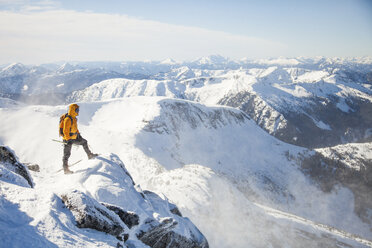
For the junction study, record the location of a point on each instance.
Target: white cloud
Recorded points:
(51, 35)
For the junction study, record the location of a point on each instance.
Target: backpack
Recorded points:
(61, 123)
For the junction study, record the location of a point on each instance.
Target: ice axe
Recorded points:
(65, 143)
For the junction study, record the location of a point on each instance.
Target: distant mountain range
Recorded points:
(311, 102)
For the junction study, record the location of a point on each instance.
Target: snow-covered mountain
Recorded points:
(306, 107)
(48, 84)
(14, 69)
(327, 105)
(206, 136)
(239, 185)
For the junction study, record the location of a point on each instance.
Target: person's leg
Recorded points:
(66, 155)
(81, 141)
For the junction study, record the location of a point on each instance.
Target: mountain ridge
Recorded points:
(166, 145)
(289, 103)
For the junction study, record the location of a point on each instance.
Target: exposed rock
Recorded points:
(89, 213)
(129, 218)
(152, 232)
(9, 161)
(33, 167)
(161, 235)
(175, 210)
(143, 212)
(300, 126)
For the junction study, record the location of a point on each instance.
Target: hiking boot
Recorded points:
(92, 155)
(67, 171)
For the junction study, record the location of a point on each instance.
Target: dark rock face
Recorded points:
(298, 126)
(89, 213)
(160, 235)
(10, 162)
(114, 220)
(129, 218)
(175, 210)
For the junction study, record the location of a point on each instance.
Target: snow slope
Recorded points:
(232, 179)
(46, 222)
(40, 213)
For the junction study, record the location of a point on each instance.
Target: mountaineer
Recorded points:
(69, 131)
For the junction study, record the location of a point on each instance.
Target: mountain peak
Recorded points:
(67, 67)
(14, 68)
(212, 59)
(169, 61)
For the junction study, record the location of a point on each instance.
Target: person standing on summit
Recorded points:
(70, 133)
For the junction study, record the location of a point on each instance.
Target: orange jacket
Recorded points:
(70, 130)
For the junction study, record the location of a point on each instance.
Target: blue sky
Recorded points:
(183, 30)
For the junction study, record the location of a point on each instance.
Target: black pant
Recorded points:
(67, 148)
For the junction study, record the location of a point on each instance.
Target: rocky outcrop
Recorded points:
(10, 167)
(148, 218)
(161, 235)
(263, 114)
(89, 213)
(130, 219)
(114, 220)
